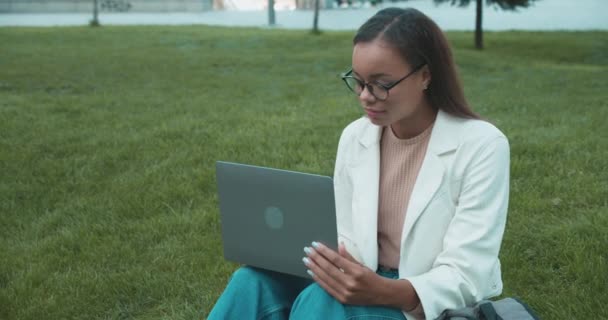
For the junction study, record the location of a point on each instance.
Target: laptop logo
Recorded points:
(273, 217)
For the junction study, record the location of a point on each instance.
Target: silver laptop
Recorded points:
(269, 215)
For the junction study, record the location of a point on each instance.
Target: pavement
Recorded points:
(544, 15)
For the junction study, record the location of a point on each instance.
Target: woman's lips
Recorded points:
(373, 113)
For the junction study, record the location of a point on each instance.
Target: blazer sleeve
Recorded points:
(467, 269)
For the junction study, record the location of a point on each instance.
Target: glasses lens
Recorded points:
(353, 84)
(378, 91)
(375, 89)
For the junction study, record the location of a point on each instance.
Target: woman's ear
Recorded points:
(426, 77)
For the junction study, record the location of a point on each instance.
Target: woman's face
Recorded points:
(377, 61)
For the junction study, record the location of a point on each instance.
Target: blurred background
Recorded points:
(299, 14)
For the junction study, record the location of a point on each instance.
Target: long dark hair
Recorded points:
(420, 41)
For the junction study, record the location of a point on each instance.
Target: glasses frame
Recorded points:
(368, 85)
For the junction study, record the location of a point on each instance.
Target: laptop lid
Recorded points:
(269, 215)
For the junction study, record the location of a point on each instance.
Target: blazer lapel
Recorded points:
(427, 183)
(432, 171)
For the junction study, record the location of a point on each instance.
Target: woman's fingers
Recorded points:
(334, 258)
(322, 266)
(332, 284)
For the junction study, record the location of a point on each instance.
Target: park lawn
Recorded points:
(109, 136)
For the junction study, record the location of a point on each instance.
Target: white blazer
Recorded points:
(456, 215)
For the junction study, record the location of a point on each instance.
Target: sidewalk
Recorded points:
(544, 15)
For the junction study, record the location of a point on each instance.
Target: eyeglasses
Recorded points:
(378, 90)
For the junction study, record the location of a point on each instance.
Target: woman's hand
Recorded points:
(342, 276)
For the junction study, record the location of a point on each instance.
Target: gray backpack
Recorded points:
(504, 309)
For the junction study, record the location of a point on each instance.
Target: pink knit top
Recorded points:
(400, 162)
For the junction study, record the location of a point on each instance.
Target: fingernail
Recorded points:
(306, 260)
(310, 273)
(315, 244)
(307, 250)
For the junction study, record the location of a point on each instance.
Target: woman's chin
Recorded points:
(377, 121)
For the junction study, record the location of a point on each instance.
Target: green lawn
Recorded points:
(109, 137)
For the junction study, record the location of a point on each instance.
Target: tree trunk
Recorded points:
(95, 21)
(315, 20)
(478, 26)
(271, 19)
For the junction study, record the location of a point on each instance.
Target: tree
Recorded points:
(503, 4)
(271, 15)
(95, 21)
(315, 19)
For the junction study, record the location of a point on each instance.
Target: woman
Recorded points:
(421, 188)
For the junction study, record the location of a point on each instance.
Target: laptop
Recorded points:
(269, 215)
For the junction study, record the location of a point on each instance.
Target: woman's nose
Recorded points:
(366, 95)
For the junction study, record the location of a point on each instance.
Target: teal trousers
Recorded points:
(258, 294)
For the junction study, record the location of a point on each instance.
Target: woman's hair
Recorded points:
(420, 41)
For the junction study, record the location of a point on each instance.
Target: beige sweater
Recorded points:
(400, 162)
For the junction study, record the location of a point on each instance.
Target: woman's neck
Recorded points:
(416, 124)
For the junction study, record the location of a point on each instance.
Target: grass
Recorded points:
(108, 138)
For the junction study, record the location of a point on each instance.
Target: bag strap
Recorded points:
(487, 312)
